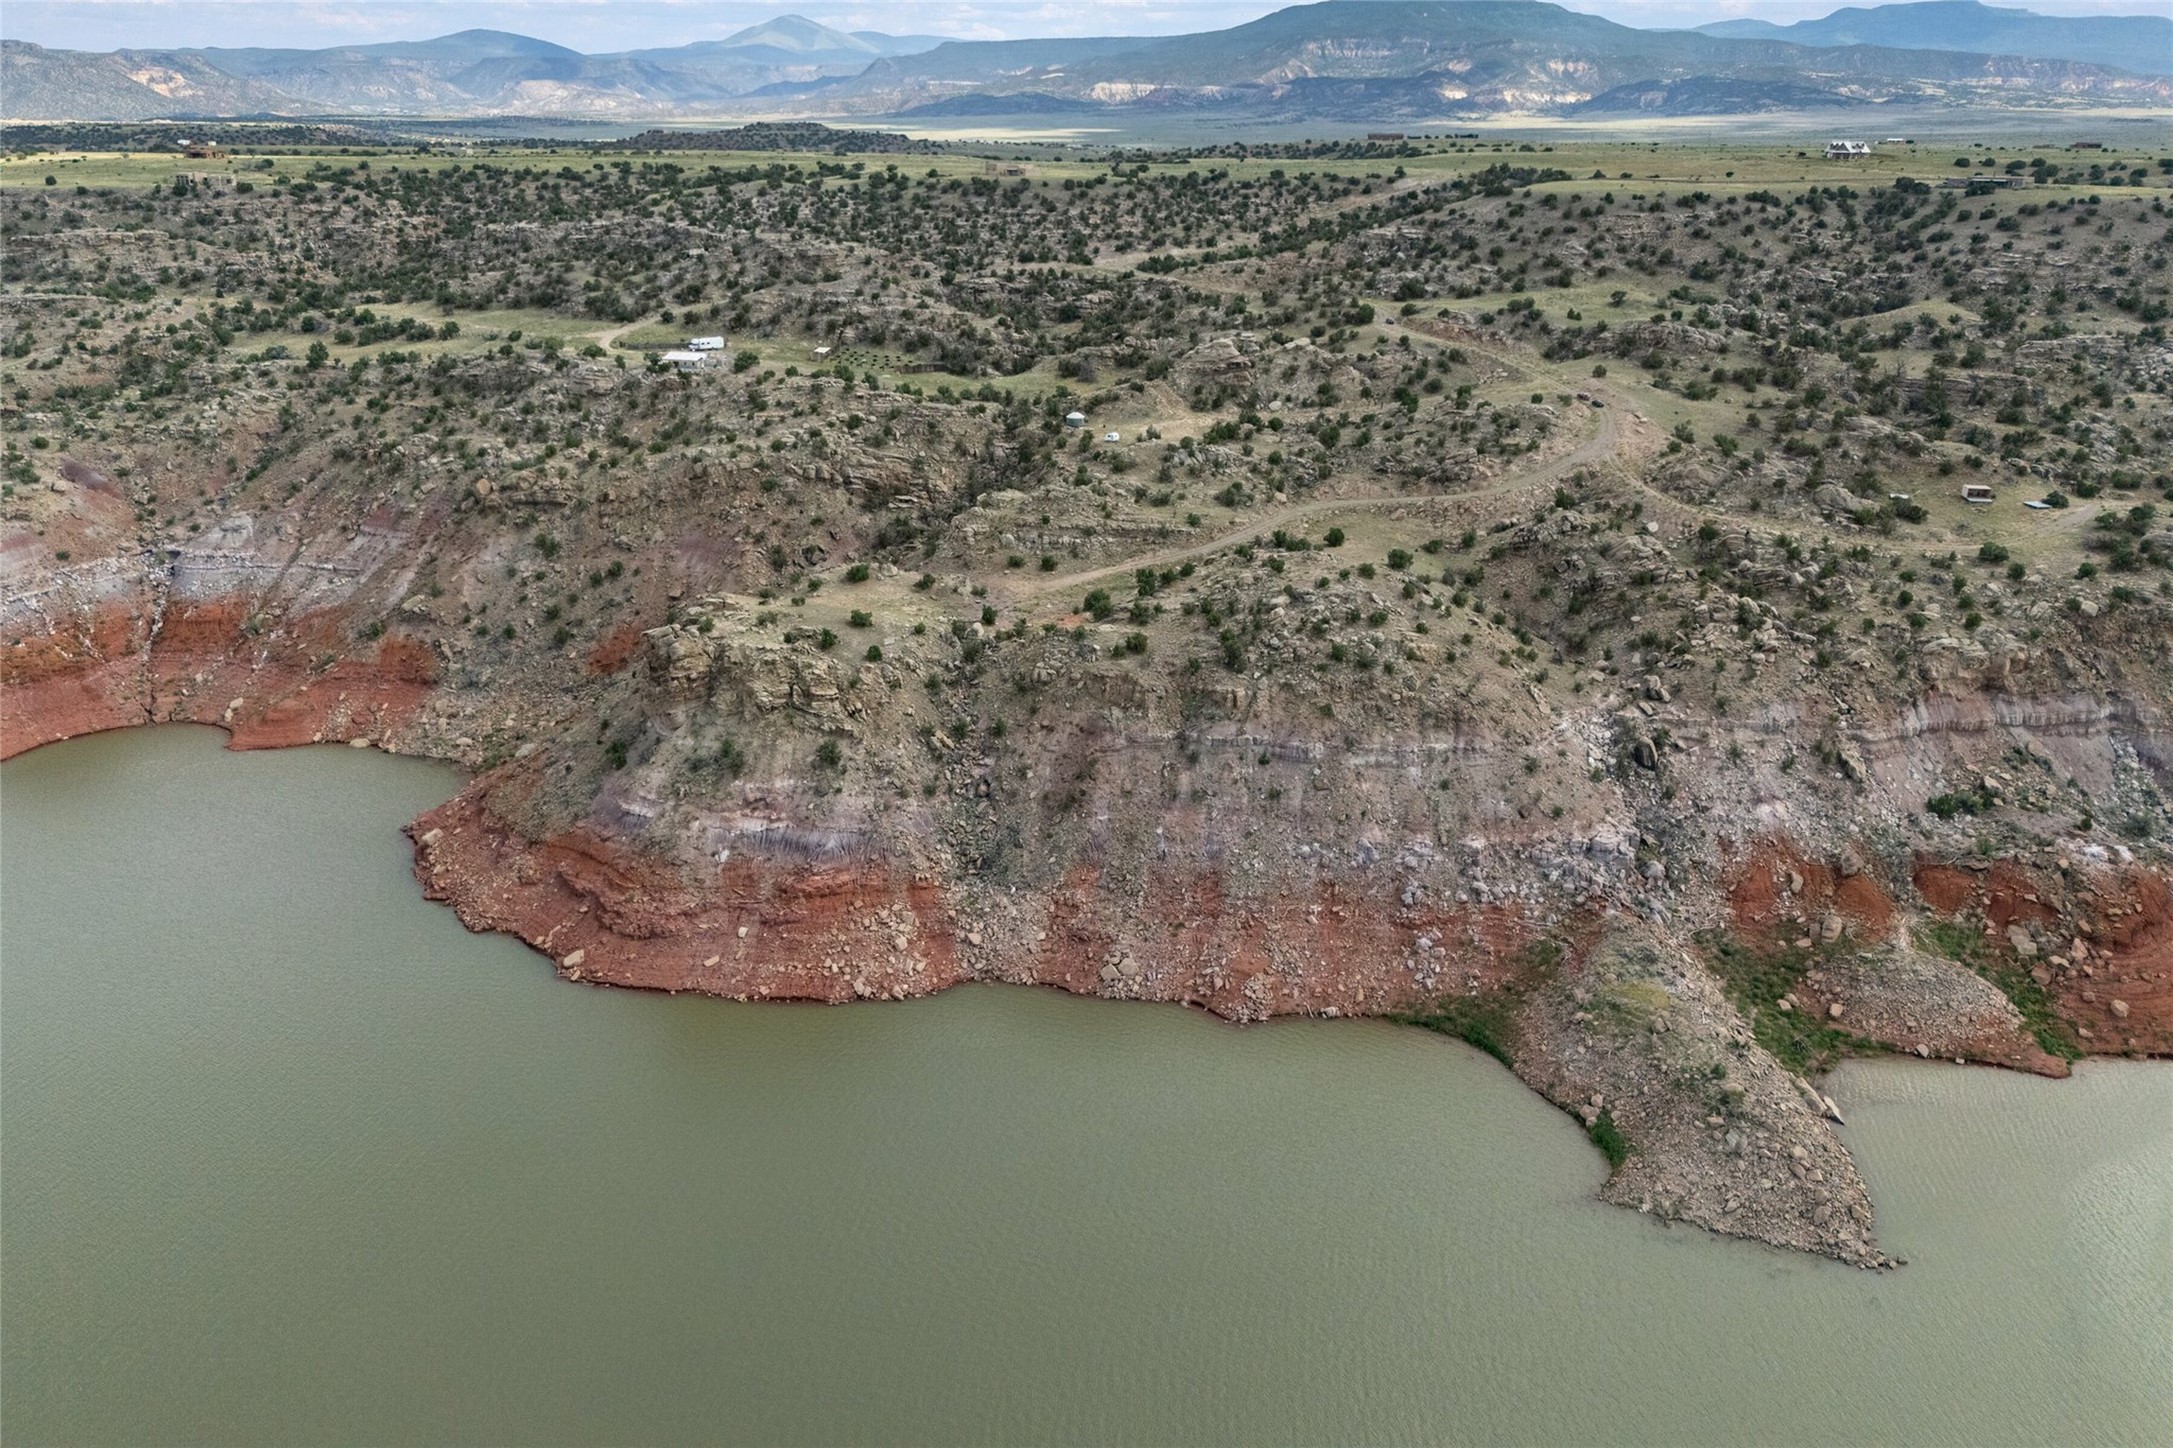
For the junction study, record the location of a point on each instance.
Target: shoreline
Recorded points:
(794, 931)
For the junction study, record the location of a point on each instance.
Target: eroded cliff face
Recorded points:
(253, 629)
(1665, 915)
(1668, 964)
(1666, 951)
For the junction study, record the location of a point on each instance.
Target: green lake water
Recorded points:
(287, 1156)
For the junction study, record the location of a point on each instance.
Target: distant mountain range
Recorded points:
(472, 73)
(2130, 42)
(1413, 60)
(1425, 59)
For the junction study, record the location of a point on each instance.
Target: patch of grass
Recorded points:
(2052, 1031)
(1541, 958)
(1633, 1004)
(1609, 1139)
(1488, 1022)
(1756, 980)
(1950, 939)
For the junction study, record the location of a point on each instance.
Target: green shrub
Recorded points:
(1609, 1139)
(1756, 980)
(1947, 806)
(1966, 947)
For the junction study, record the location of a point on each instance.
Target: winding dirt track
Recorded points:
(1604, 446)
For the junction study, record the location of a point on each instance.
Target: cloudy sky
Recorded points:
(604, 25)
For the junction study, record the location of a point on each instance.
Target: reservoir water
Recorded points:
(289, 1157)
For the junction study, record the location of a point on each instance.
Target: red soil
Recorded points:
(1943, 887)
(615, 650)
(2113, 929)
(1760, 906)
(2132, 963)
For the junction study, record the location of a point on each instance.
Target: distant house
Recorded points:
(1847, 150)
(686, 361)
(1977, 493)
(202, 150)
(705, 344)
(2086, 146)
(1075, 419)
(1384, 135)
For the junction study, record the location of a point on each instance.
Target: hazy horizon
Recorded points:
(615, 25)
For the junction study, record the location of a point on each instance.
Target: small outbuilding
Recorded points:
(686, 361)
(1977, 493)
(1075, 419)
